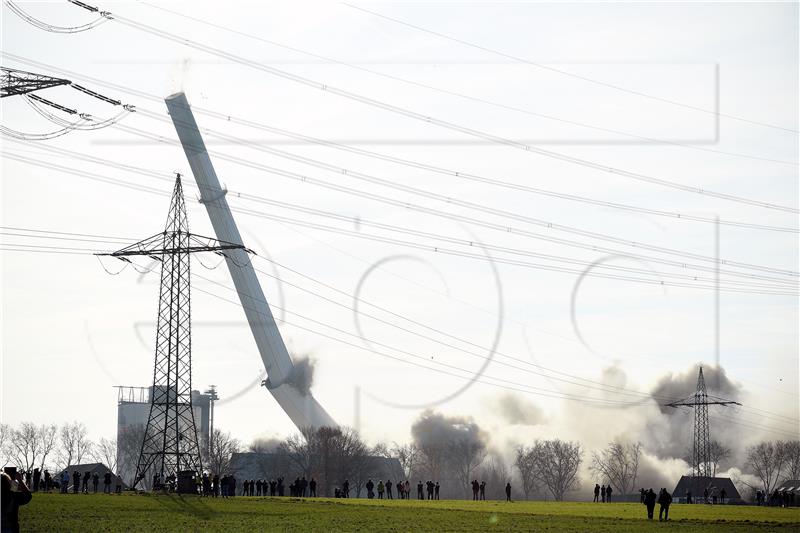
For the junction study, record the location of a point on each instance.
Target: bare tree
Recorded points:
(618, 464)
(5, 442)
(408, 455)
(791, 450)
(766, 461)
(464, 456)
(106, 452)
(219, 458)
(557, 464)
(25, 445)
(496, 474)
(718, 454)
(525, 461)
(74, 444)
(129, 446)
(48, 437)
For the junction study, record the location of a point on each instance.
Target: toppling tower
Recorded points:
(702, 467)
(170, 442)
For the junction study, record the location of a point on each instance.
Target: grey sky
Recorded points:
(71, 332)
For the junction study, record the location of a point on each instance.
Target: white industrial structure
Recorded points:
(301, 407)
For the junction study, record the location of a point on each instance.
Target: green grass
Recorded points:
(151, 513)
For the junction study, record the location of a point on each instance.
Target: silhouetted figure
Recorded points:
(402, 492)
(11, 501)
(370, 485)
(722, 496)
(95, 481)
(216, 487)
(475, 487)
(232, 484)
(641, 495)
(603, 494)
(508, 492)
(650, 503)
(107, 483)
(482, 490)
(76, 482)
(48, 481)
(86, 477)
(420, 494)
(346, 489)
(436, 491)
(688, 496)
(389, 489)
(664, 499)
(608, 494)
(312, 486)
(303, 487)
(596, 493)
(430, 489)
(37, 478)
(380, 489)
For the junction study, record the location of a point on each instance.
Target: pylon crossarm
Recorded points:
(154, 246)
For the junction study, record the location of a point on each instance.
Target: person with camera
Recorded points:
(14, 493)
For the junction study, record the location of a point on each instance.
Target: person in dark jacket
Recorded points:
(664, 499)
(596, 492)
(508, 492)
(11, 500)
(95, 481)
(650, 503)
(86, 477)
(608, 494)
(312, 488)
(76, 482)
(37, 478)
(107, 483)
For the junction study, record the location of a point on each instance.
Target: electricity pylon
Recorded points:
(701, 451)
(13, 82)
(170, 442)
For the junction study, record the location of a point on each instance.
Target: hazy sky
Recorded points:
(71, 332)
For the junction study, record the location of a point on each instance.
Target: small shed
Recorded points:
(698, 485)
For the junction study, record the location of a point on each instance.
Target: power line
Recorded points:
(458, 94)
(605, 387)
(433, 168)
(442, 123)
(463, 218)
(518, 59)
(436, 249)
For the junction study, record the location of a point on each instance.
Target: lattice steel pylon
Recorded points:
(170, 442)
(701, 450)
(14, 82)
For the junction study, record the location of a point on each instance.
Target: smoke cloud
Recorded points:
(435, 430)
(302, 375)
(517, 410)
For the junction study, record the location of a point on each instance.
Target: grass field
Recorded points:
(158, 513)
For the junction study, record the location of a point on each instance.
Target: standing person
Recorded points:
(420, 495)
(216, 485)
(474, 490)
(95, 481)
(688, 496)
(380, 489)
(312, 488)
(482, 490)
(407, 490)
(48, 480)
(722, 495)
(389, 489)
(346, 489)
(11, 500)
(436, 491)
(37, 478)
(86, 477)
(76, 482)
(107, 483)
(370, 485)
(650, 503)
(64, 481)
(603, 494)
(508, 492)
(596, 492)
(401, 491)
(664, 499)
(641, 495)
(608, 493)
